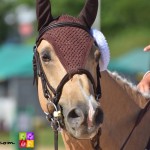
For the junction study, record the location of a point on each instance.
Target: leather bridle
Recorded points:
(55, 116)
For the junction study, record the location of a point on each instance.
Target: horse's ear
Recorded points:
(43, 12)
(89, 12)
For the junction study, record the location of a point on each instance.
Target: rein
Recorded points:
(138, 120)
(54, 114)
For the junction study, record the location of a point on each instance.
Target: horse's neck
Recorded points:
(121, 105)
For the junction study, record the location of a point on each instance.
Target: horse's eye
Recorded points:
(46, 57)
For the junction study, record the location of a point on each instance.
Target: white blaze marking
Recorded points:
(91, 112)
(91, 109)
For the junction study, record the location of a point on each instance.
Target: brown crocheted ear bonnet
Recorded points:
(72, 44)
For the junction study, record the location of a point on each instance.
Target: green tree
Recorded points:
(120, 14)
(58, 7)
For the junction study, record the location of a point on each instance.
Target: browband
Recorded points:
(61, 24)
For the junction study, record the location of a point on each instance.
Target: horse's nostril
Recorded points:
(98, 116)
(75, 113)
(75, 118)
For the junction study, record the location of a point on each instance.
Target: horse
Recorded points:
(126, 124)
(67, 71)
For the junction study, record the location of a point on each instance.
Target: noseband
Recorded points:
(54, 109)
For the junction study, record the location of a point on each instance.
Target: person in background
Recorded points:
(144, 85)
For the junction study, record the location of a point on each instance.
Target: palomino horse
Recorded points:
(121, 103)
(66, 67)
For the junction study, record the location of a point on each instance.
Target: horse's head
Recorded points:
(66, 61)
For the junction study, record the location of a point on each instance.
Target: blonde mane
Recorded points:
(141, 99)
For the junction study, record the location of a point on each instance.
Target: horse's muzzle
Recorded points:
(81, 124)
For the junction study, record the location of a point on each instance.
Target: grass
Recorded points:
(44, 137)
(4, 136)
